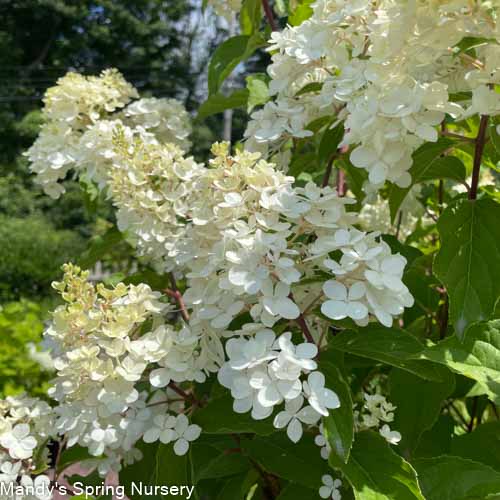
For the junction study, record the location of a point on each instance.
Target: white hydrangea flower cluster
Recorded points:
(386, 69)
(263, 372)
(330, 488)
(106, 344)
(377, 413)
(81, 114)
(26, 425)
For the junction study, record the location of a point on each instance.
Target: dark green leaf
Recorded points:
(228, 55)
(159, 466)
(477, 357)
(340, 423)
(329, 143)
(218, 417)
(481, 445)
(209, 462)
(455, 478)
(217, 103)
(300, 463)
(376, 472)
(436, 441)
(467, 263)
(73, 455)
(388, 345)
(427, 165)
(296, 492)
(418, 404)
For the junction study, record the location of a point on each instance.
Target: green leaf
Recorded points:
(376, 472)
(329, 143)
(481, 445)
(477, 357)
(418, 404)
(302, 12)
(258, 92)
(339, 424)
(218, 417)
(388, 345)
(468, 261)
(437, 440)
(228, 55)
(250, 16)
(209, 462)
(99, 247)
(217, 103)
(300, 463)
(455, 478)
(159, 466)
(428, 165)
(296, 492)
(495, 138)
(73, 455)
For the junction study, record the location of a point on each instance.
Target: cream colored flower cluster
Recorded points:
(81, 115)
(108, 344)
(386, 69)
(26, 425)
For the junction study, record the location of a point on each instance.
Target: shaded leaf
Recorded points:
(481, 445)
(455, 478)
(300, 463)
(427, 165)
(218, 417)
(418, 404)
(339, 424)
(467, 263)
(376, 472)
(388, 345)
(217, 103)
(477, 357)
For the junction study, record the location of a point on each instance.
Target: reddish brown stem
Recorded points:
(269, 14)
(301, 321)
(177, 295)
(341, 182)
(478, 154)
(183, 394)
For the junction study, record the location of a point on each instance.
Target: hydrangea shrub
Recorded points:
(319, 317)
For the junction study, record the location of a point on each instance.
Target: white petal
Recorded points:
(306, 350)
(335, 290)
(334, 309)
(287, 308)
(294, 430)
(192, 432)
(181, 447)
(282, 419)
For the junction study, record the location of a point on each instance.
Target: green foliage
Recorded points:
(477, 357)
(31, 255)
(339, 425)
(376, 472)
(392, 346)
(228, 55)
(454, 478)
(467, 263)
(418, 403)
(218, 417)
(217, 103)
(21, 327)
(428, 164)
